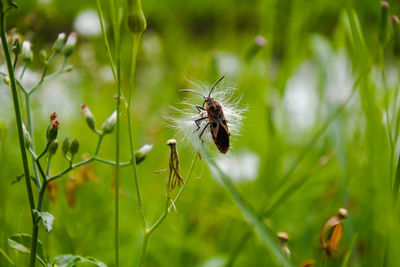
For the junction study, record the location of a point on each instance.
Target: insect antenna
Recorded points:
(215, 84)
(191, 91)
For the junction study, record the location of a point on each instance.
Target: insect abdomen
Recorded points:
(218, 126)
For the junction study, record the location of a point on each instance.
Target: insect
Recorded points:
(216, 119)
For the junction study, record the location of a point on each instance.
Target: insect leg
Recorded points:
(198, 123)
(199, 108)
(201, 134)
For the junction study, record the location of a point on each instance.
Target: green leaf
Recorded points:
(71, 261)
(22, 243)
(253, 219)
(47, 219)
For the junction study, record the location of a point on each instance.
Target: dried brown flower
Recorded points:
(335, 227)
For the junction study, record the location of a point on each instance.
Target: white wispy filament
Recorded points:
(186, 113)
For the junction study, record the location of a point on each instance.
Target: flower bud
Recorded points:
(109, 123)
(53, 147)
(52, 130)
(74, 147)
(91, 122)
(65, 146)
(26, 53)
(69, 46)
(16, 46)
(59, 43)
(6, 80)
(43, 56)
(283, 239)
(136, 19)
(258, 43)
(384, 21)
(27, 137)
(140, 155)
(396, 36)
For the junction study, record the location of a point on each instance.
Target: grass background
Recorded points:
(316, 51)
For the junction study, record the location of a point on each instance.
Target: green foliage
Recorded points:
(72, 260)
(322, 122)
(46, 218)
(22, 243)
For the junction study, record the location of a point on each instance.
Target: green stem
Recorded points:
(110, 58)
(30, 130)
(144, 247)
(149, 231)
(136, 40)
(117, 143)
(23, 71)
(19, 126)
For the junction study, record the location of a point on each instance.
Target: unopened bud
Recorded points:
(53, 147)
(43, 56)
(59, 43)
(6, 80)
(258, 43)
(65, 146)
(52, 130)
(343, 213)
(140, 155)
(136, 19)
(109, 123)
(16, 46)
(69, 46)
(283, 239)
(396, 36)
(26, 53)
(27, 136)
(74, 147)
(91, 122)
(384, 21)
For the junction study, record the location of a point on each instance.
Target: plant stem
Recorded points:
(30, 130)
(117, 135)
(101, 18)
(19, 127)
(149, 231)
(144, 247)
(136, 40)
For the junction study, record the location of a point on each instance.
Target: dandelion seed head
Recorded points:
(185, 113)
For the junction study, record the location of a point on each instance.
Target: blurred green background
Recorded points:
(292, 87)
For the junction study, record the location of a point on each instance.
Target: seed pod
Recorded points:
(26, 53)
(59, 43)
(69, 47)
(335, 227)
(74, 147)
(136, 19)
(65, 146)
(109, 123)
(53, 147)
(27, 137)
(91, 122)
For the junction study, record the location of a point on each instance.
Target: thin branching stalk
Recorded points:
(108, 49)
(19, 127)
(136, 40)
(168, 206)
(117, 30)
